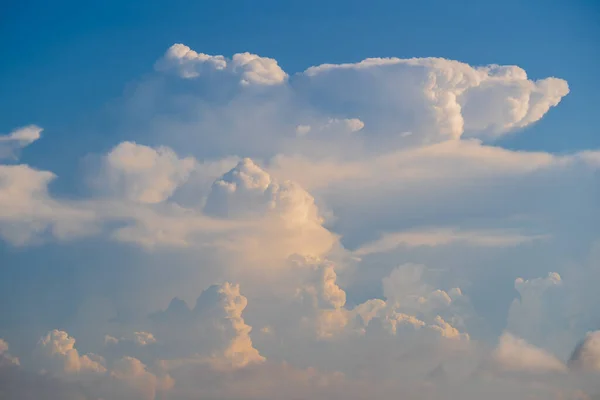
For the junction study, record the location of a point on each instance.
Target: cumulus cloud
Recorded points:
(289, 218)
(527, 314)
(247, 190)
(58, 356)
(444, 96)
(27, 210)
(60, 363)
(409, 306)
(406, 288)
(187, 63)
(282, 175)
(130, 379)
(214, 332)
(143, 174)
(250, 69)
(257, 70)
(515, 354)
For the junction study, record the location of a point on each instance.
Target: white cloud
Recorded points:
(515, 354)
(328, 317)
(143, 174)
(27, 210)
(445, 97)
(257, 70)
(250, 68)
(18, 139)
(405, 287)
(287, 218)
(214, 332)
(444, 237)
(283, 173)
(527, 314)
(57, 355)
(303, 129)
(249, 191)
(187, 63)
(130, 379)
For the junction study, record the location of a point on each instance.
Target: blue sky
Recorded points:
(393, 225)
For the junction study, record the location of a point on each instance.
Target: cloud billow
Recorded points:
(344, 230)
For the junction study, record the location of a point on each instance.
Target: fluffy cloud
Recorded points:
(57, 358)
(444, 237)
(143, 174)
(251, 69)
(444, 97)
(290, 221)
(57, 355)
(256, 70)
(137, 338)
(369, 225)
(130, 379)
(515, 354)
(27, 210)
(332, 126)
(409, 306)
(526, 315)
(247, 190)
(214, 332)
(187, 63)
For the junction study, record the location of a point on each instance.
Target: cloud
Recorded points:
(409, 306)
(5, 358)
(251, 69)
(406, 288)
(257, 70)
(143, 174)
(129, 379)
(526, 314)
(247, 191)
(287, 216)
(18, 139)
(57, 355)
(57, 358)
(27, 210)
(587, 354)
(515, 354)
(372, 228)
(444, 96)
(187, 63)
(214, 332)
(444, 237)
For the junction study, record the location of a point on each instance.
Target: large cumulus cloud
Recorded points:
(349, 231)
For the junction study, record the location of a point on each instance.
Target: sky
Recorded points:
(324, 200)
